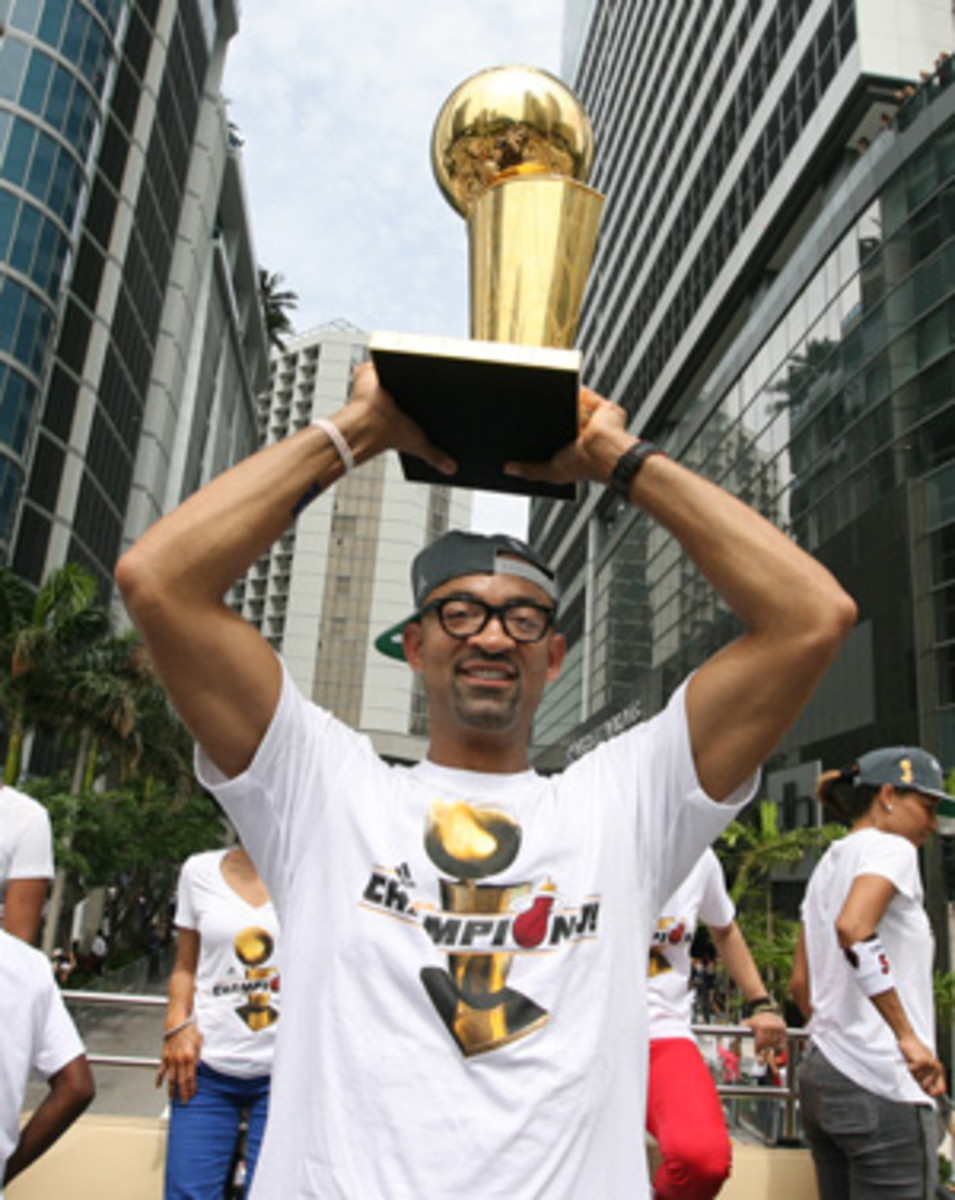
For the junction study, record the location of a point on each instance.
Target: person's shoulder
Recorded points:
(878, 846)
(31, 967)
(203, 864)
(13, 802)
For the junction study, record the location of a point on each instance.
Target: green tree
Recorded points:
(42, 639)
(276, 304)
(136, 836)
(752, 851)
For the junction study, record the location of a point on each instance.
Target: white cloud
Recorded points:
(335, 100)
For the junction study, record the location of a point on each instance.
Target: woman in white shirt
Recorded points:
(220, 1022)
(684, 1112)
(863, 978)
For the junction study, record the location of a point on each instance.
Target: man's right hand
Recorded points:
(373, 419)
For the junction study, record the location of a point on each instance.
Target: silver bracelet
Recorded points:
(171, 1033)
(338, 441)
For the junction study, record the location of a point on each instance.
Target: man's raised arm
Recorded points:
(220, 674)
(796, 616)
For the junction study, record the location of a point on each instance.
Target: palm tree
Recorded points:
(752, 852)
(275, 305)
(42, 636)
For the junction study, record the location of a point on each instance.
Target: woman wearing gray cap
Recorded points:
(863, 977)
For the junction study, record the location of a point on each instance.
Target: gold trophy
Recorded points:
(511, 150)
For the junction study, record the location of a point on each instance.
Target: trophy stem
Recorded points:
(532, 241)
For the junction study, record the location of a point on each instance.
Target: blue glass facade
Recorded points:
(56, 60)
(73, 54)
(833, 412)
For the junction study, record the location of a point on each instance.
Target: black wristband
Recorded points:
(628, 465)
(762, 1004)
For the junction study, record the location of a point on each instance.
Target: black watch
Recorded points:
(628, 464)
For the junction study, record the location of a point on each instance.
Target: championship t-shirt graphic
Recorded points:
(480, 926)
(253, 948)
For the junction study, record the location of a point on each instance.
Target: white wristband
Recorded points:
(338, 441)
(870, 966)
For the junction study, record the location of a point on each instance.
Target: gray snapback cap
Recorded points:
(904, 767)
(458, 553)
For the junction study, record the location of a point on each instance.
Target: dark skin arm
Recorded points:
(23, 903)
(743, 700)
(71, 1091)
(219, 672)
(864, 908)
(799, 981)
(180, 1053)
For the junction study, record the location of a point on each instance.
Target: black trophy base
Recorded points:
(485, 404)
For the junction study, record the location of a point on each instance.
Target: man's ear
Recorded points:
(411, 641)
(555, 654)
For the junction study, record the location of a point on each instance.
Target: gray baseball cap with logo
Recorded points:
(904, 767)
(458, 553)
(912, 769)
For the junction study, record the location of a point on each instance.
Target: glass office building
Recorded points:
(102, 186)
(774, 302)
(57, 67)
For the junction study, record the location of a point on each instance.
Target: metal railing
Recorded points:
(116, 1000)
(784, 1094)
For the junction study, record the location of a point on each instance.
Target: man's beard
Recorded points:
(485, 708)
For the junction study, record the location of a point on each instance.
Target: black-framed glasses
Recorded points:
(465, 616)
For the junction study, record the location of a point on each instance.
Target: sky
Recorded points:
(335, 101)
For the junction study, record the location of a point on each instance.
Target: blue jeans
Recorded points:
(865, 1146)
(203, 1134)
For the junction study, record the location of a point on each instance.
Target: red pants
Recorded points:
(684, 1114)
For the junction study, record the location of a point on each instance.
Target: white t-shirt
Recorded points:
(37, 1032)
(845, 1024)
(702, 896)
(391, 967)
(237, 999)
(26, 843)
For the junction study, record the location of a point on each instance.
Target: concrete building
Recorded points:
(131, 341)
(758, 305)
(339, 576)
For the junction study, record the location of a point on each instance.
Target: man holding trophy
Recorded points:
(464, 996)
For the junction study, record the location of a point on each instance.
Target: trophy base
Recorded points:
(485, 404)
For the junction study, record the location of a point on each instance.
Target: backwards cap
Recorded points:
(458, 553)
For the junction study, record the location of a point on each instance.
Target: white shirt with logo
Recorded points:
(38, 1033)
(845, 1024)
(238, 998)
(26, 842)
(446, 1035)
(702, 896)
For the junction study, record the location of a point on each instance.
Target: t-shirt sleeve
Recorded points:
(32, 856)
(893, 858)
(58, 1042)
(276, 803)
(651, 769)
(716, 908)
(186, 915)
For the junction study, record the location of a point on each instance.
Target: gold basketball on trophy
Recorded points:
(511, 149)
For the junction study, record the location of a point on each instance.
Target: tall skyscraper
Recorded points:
(129, 323)
(770, 301)
(340, 575)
